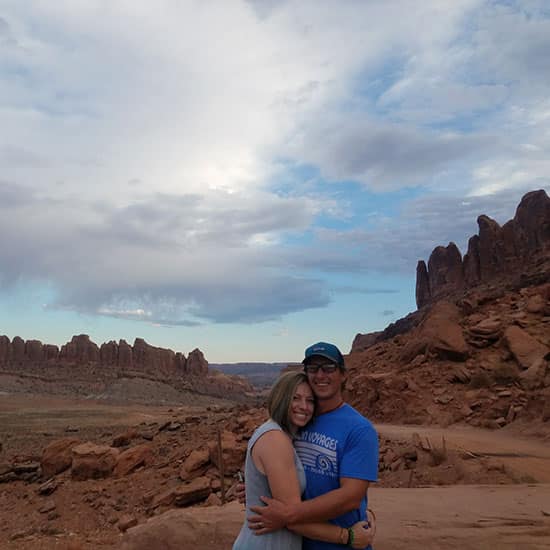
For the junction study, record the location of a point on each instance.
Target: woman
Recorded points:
(273, 468)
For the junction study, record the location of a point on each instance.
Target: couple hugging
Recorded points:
(309, 466)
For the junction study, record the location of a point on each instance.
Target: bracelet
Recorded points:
(343, 533)
(351, 536)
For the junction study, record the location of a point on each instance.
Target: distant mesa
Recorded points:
(81, 351)
(497, 254)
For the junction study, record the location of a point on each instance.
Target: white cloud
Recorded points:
(142, 142)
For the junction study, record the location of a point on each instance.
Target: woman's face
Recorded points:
(302, 405)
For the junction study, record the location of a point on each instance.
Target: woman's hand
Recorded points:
(363, 534)
(240, 492)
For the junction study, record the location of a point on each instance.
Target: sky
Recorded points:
(252, 176)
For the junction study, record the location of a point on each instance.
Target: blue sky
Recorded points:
(248, 177)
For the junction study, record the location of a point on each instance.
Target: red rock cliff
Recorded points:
(82, 351)
(496, 253)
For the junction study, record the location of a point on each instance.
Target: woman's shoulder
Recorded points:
(270, 431)
(266, 427)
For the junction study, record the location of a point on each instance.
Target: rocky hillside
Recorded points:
(478, 349)
(113, 371)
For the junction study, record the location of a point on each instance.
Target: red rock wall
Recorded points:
(82, 351)
(496, 253)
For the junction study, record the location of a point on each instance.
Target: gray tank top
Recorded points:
(256, 486)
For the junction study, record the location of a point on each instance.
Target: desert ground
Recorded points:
(83, 515)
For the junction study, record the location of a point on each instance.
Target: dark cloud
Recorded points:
(387, 313)
(164, 259)
(261, 297)
(385, 156)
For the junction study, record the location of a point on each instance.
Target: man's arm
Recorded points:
(276, 515)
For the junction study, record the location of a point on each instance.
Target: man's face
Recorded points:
(325, 383)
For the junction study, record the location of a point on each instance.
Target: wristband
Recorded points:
(351, 536)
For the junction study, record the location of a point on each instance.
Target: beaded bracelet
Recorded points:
(351, 536)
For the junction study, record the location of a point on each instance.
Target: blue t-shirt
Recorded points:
(340, 443)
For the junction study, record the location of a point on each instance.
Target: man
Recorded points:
(339, 452)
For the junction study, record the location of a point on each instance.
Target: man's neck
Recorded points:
(327, 405)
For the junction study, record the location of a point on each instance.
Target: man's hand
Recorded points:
(271, 517)
(364, 535)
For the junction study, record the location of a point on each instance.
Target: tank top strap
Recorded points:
(261, 430)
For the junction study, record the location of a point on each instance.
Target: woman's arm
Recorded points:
(273, 455)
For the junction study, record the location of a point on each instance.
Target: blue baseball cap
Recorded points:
(330, 351)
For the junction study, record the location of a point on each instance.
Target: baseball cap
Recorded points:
(324, 349)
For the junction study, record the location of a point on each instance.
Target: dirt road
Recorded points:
(463, 517)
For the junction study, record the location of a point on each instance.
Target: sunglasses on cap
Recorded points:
(327, 368)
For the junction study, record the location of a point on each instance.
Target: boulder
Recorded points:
(92, 461)
(195, 463)
(533, 377)
(525, 349)
(442, 333)
(233, 453)
(197, 528)
(192, 491)
(536, 304)
(57, 456)
(124, 439)
(133, 458)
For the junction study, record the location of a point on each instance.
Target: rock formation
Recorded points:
(495, 254)
(196, 363)
(81, 351)
(478, 348)
(114, 371)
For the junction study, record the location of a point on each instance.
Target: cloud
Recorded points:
(145, 146)
(384, 156)
(178, 260)
(465, 104)
(160, 103)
